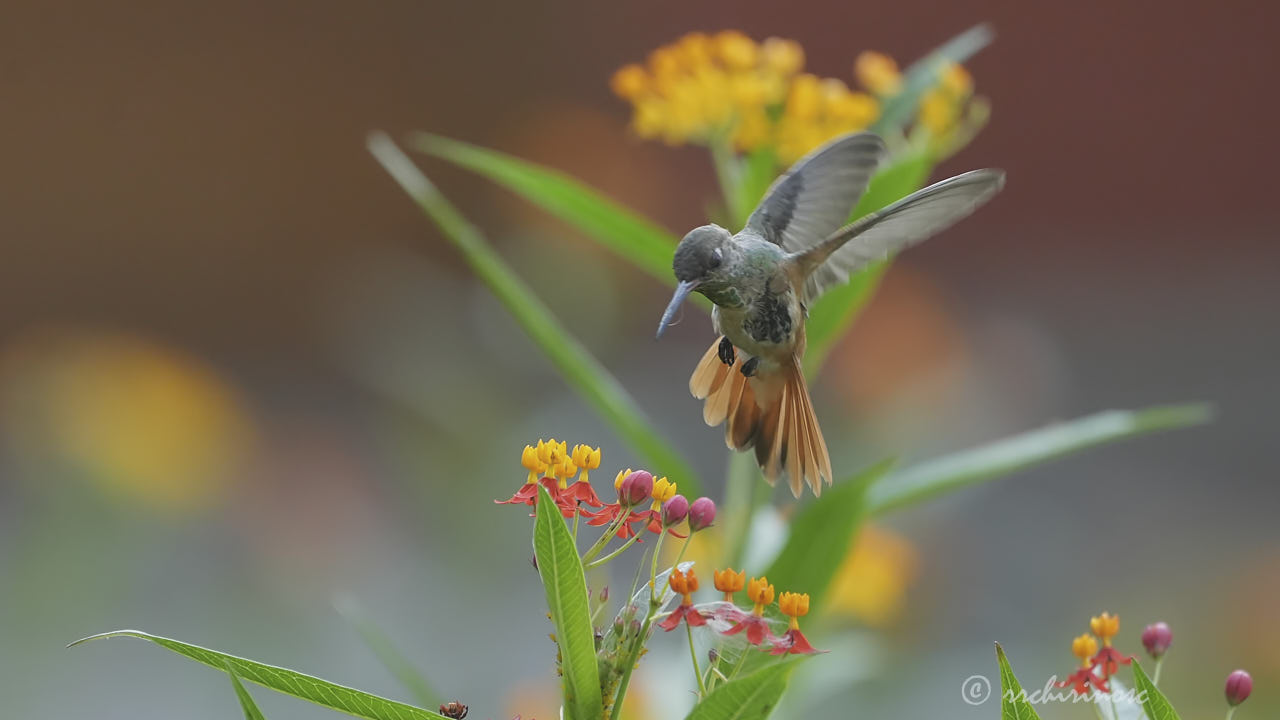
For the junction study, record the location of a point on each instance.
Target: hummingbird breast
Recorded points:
(768, 327)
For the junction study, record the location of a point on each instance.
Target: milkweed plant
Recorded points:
(756, 109)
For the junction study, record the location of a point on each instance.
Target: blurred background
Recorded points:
(240, 374)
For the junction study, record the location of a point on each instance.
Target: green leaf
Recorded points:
(578, 367)
(925, 73)
(820, 536)
(251, 711)
(836, 310)
(388, 654)
(566, 588)
(313, 689)
(626, 233)
(1153, 701)
(988, 462)
(751, 697)
(1014, 704)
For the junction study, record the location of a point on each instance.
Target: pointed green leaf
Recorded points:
(578, 367)
(751, 697)
(251, 711)
(388, 654)
(1153, 701)
(625, 232)
(988, 462)
(925, 73)
(566, 588)
(290, 682)
(820, 536)
(836, 310)
(1014, 704)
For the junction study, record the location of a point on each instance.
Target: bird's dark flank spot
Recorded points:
(749, 367)
(769, 320)
(726, 351)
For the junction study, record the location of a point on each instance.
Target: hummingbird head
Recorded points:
(698, 265)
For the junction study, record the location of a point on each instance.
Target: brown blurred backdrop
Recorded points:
(185, 192)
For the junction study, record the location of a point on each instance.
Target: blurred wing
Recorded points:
(911, 220)
(816, 196)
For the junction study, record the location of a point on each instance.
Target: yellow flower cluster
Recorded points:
(552, 458)
(727, 88)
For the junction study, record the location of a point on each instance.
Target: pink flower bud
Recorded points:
(635, 488)
(701, 514)
(1156, 638)
(1239, 685)
(674, 510)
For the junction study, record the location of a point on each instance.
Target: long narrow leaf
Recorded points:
(832, 315)
(988, 462)
(926, 72)
(566, 589)
(1153, 701)
(251, 711)
(622, 231)
(751, 697)
(290, 682)
(388, 654)
(1014, 704)
(578, 367)
(820, 536)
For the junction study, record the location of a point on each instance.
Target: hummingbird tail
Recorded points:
(770, 411)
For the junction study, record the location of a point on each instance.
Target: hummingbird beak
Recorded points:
(682, 292)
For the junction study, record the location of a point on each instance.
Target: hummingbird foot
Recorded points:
(749, 367)
(727, 354)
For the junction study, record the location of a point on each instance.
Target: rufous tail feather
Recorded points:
(771, 412)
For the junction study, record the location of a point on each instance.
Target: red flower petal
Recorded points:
(674, 618)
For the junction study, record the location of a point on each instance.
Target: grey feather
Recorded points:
(817, 195)
(907, 222)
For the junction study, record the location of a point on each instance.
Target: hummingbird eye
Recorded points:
(717, 257)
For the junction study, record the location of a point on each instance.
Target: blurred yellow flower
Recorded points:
(878, 73)
(872, 581)
(145, 422)
(705, 88)
(728, 90)
(1084, 647)
(1105, 626)
(942, 107)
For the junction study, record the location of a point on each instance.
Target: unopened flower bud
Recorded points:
(701, 514)
(674, 510)
(635, 488)
(1239, 685)
(713, 655)
(604, 594)
(1156, 638)
(633, 628)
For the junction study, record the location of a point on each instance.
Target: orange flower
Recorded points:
(685, 584)
(729, 582)
(794, 606)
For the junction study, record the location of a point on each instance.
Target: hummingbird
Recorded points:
(763, 279)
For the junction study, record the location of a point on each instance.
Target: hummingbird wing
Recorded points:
(816, 196)
(896, 227)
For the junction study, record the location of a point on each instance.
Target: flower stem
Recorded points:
(1231, 711)
(604, 539)
(693, 655)
(576, 517)
(612, 555)
(654, 595)
(728, 173)
(1155, 677)
(632, 656)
